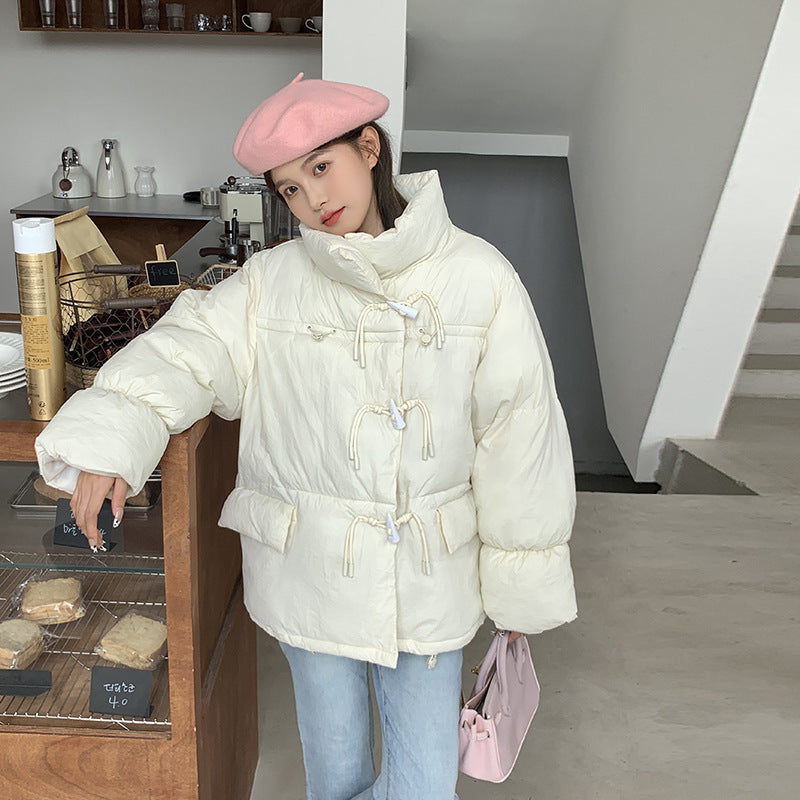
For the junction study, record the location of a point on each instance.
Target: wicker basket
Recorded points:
(79, 377)
(215, 274)
(159, 292)
(98, 324)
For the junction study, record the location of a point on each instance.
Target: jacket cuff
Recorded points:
(527, 590)
(103, 432)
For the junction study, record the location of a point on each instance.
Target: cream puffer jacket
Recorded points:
(404, 464)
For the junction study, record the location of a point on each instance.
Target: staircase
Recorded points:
(756, 450)
(771, 367)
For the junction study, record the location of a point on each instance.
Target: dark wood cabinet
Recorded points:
(130, 16)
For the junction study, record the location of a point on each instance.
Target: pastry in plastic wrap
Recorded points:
(135, 641)
(20, 643)
(52, 601)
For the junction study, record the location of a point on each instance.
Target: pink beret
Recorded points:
(301, 117)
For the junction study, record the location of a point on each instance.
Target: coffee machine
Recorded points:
(260, 216)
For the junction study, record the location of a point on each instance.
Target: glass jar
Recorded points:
(150, 15)
(144, 186)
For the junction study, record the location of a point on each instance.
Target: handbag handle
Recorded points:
(495, 661)
(498, 652)
(488, 663)
(502, 661)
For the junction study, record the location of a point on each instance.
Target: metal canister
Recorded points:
(40, 312)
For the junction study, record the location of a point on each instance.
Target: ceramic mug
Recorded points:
(314, 24)
(258, 21)
(290, 24)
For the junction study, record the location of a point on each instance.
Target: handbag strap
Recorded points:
(487, 665)
(520, 653)
(494, 666)
(495, 663)
(502, 662)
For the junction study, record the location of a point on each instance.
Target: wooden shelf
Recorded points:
(130, 16)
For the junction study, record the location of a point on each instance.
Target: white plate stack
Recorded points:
(12, 363)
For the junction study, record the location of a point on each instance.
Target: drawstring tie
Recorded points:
(405, 310)
(390, 525)
(396, 413)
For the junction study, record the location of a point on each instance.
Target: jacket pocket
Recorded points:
(259, 516)
(457, 521)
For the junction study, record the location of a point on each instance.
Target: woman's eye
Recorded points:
(289, 191)
(321, 167)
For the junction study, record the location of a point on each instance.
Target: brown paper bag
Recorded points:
(82, 247)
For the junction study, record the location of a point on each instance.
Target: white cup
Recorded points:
(314, 24)
(258, 21)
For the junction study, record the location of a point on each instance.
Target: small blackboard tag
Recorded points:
(25, 682)
(121, 691)
(67, 532)
(162, 273)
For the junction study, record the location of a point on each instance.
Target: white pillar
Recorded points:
(364, 42)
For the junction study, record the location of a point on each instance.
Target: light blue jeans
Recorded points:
(419, 710)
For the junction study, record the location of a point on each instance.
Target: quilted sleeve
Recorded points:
(195, 359)
(523, 474)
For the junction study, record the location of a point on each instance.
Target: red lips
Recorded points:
(332, 217)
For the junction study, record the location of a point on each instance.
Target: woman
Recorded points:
(347, 354)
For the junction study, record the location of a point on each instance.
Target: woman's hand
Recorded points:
(87, 499)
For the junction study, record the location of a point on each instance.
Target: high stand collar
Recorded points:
(364, 261)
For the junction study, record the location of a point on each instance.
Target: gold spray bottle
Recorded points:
(42, 339)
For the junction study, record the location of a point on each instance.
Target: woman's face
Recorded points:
(331, 189)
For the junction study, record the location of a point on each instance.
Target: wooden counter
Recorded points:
(210, 752)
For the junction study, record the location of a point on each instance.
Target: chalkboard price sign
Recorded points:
(162, 273)
(121, 692)
(25, 682)
(69, 534)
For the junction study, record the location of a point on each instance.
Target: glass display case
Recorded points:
(171, 562)
(129, 577)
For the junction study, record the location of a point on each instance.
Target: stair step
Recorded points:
(756, 451)
(768, 383)
(783, 293)
(775, 338)
(779, 315)
(771, 362)
(763, 421)
(730, 467)
(791, 250)
(681, 471)
(786, 271)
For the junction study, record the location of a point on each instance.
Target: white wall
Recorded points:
(649, 154)
(172, 101)
(485, 144)
(502, 66)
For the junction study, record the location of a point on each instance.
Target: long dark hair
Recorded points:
(391, 203)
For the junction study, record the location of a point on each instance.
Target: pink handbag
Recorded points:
(495, 720)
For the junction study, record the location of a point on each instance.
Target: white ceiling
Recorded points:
(511, 66)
